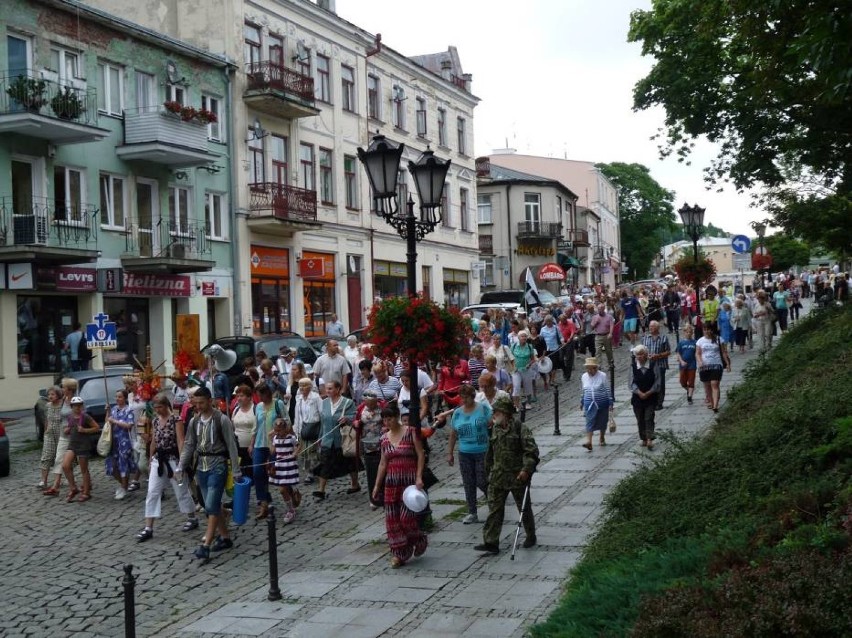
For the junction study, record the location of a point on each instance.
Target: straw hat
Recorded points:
(591, 361)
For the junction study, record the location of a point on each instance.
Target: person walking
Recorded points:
(307, 427)
(68, 388)
(510, 462)
(72, 347)
(712, 358)
(121, 462)
(265, 414)
(335, 327)
(333, 366)
(79, 427)
(337, 410)
(644, 386)
(523, 377)
(763, 319)
(595, 401)
(671, 304)
(403, 460)
(685, 352)
(283, 466)
(781, 298)
(602, 325)
(659, 352)
(632, 313)
(741, 322)
(52, 432)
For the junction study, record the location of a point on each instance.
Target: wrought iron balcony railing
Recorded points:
(579, 237)
(541, 230)
(486, 244)
(28, 93)
(268, 75)
(39, 221)
(287, 203)
(169, 239)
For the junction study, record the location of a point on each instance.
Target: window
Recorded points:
(176, 93)
(251, 44)
(461, 135)
(347, 83)
(401, 188)
(350, 183)
(112, 201)
(257, 168)
(303, 62)
(398, 106)
(179, 210)
(532, 208)
(68, 194)
(306, 166)
(421, 117)
(215, 129)
(146, 92)
(487, 273)
(280, 152)
(43, 322)
(18, 55)
(111, 95)
(214, 216)
(323, 88)
(442, 127)
(373, 102)
(326, 178)
(276, 50)
(66, 64)
(447, 213)
(463, 197)
(484, 214)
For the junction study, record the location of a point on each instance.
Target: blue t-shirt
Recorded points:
(630, 306)
(551, 337)
(472, 429)
(686, 350)
(73, 340)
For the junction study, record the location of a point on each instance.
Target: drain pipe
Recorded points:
(233, 191)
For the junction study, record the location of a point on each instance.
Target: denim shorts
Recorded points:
(212, 485)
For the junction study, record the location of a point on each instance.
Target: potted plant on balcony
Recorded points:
(67, 104)
(173, 107)
(28, 92)
(206, 117)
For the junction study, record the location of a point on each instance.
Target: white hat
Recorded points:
(76, 401)
(545, 365)
(414, 499)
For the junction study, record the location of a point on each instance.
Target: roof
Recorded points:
(501, 174)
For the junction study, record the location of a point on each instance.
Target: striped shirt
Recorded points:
(658, 345)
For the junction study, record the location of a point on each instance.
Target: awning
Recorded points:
(567, 261)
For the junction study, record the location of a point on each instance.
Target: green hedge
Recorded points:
(768, 485)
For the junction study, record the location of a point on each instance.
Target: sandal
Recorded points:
(71, 494)
(51, 491)
(395, 563)
(588, 446)
(190, 524)
(144, 535)
(85, 496)
(353, 490)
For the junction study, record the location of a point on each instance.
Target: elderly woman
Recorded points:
(307, 426)
(121, 462)
(741, 322)
(337, 410)
(265, 414)
(645, 385)
(68, 388)
(370, 430)
(763, 315)
(475, 365)
(523, 377)
(52, 434)
(595, 402)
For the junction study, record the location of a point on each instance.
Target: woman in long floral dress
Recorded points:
(121, 462)
(401, 465)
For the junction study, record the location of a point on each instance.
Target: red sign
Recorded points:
(208, 288)
(312, 268)
(76, 279)
(551, 272)
(157, 285)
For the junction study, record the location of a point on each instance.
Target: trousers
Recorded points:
(497, 496)
(603, 343)
(156, 485)
(472, 468)
(644, 413)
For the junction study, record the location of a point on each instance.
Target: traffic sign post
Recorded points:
(742, 261)
(741, 244)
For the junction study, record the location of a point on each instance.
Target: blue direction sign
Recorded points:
(101, 334)
(741, 244)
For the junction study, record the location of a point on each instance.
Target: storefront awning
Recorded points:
(567, 261)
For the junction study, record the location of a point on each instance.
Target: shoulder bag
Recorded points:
(104, 446)
(348, 437)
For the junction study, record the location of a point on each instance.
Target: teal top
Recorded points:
(263, 422)
(523, 355)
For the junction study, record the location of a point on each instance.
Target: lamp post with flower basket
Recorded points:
(381, 160)
(692, 218)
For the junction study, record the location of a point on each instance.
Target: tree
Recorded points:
(770, 83)
(646, 214)
(787, 251)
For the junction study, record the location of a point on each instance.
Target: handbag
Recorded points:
(311, 431)
(429, 478)
(349, 441)
(611, 423)
(104, 445)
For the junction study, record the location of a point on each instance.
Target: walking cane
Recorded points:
(520, 521)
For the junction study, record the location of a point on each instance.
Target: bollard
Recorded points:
(556, 431)
(274, 591)
(129, 582)
(523, 409)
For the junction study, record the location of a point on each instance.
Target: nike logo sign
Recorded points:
(19, 277)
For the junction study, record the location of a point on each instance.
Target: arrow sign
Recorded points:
(741, 244)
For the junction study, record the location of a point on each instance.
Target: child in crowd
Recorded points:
(686, 358)
(284, 467)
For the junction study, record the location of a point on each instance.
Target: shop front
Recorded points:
(318, 291)
(390, 278)
(456, 288)
(270, 290)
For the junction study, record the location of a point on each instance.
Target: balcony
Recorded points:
(579, 238)
(152, 134)
(279, 209)
(48, 232)
(279, 91)
(539, 230)
(486, 244)
(49, 110)
(167, 248)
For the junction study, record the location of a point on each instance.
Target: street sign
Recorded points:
(742, 261)
(740, 244)
(761, 250)
(101, 334)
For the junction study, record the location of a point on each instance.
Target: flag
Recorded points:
(531, 291)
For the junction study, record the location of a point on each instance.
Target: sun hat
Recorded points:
(415, 499)
(309, 369)
(76, 401)
(591, 361)
(504, 404)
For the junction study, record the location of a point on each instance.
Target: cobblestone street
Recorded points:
(62, 563)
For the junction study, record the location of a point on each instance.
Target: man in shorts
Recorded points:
(632, 311)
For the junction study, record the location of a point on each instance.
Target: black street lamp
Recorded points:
(692, 218)
(381, 161)
(760, 229)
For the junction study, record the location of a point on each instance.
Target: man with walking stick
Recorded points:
(510, 462)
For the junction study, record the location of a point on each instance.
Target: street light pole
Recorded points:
(760, 229)
(693, 219)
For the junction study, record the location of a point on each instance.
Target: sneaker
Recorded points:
(488, 548)
(470, 518)
(290, 516)
(120, 493)
(40, 485)
(202, 552)
(134, 485)
(222, 543)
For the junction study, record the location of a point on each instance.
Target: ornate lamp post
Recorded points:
(760, 229)
(381, 161)
(692, 218)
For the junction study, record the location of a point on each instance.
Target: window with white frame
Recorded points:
(113, 199)
(446, 210)
(326, 176)
(276, 50)
(398, 106)
(215, 130)
(251, 44)
(532, 208)
(215, 212)
(68, 194)
(303, 63)
(179, 213)
(146, 92)
(323, 87)
(463, 211)
(373, 102)
(306, 167)
(19, 55)
(66, 64)
(484, 213)
(487, 273)
(349, 182)
(442, 127)
(176, 93)
(402, 187)
(257, 164)
(421, 117)
(347, 84)
(111, 94)
(461, 129)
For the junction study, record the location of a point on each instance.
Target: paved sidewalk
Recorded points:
(452, 590)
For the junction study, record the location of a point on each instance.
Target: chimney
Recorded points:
(328, 5)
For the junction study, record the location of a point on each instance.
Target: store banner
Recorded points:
(157, 285)
(70, 279)
(317, 266)
(109, 280)
(21, 277)
(274, 262)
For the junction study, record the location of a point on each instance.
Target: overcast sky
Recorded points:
(556, 79)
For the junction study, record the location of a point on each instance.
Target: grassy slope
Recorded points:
(771, 476)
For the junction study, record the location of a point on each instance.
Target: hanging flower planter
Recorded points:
(694, 273)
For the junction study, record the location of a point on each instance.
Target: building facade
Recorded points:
(597, 220)
(114, 189)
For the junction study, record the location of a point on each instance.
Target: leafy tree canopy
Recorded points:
(786, 251)
(647, 214)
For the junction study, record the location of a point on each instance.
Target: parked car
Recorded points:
(318, 343)
(269, 343)
(91, 390)
(5, 456)
(515, 296)
(361, 334)
(477, 310)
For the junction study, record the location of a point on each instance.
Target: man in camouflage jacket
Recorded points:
(511, 459)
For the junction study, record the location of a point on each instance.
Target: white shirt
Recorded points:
(711, 354)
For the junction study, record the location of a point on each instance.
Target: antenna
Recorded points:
(172, 73)
(302, 52)
(257, 131)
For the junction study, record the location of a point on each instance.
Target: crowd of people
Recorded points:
(284, 425)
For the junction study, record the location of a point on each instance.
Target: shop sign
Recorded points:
(381, 268)
(398, 270)
(311, 268)
(157, 285)
(109, 280)
(270, 261)
(551, 272)
(208, 288)
(21, 277)
(534, 250)
(76, 279)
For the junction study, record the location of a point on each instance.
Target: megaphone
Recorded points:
(223, 359)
